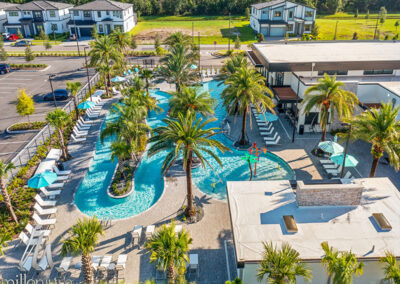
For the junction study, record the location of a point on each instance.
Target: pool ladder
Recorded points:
(106, 222)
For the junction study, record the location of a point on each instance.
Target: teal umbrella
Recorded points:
(118, 79)
(86, 105)
(330, 147)
(350, 160)
(193, 66)
(42, 180)
(268, 116)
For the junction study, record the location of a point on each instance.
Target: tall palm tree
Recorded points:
(59, 119)
(230, 67)
(340, 266)
(245, 87)
(146, 75)
(121, 151)
(391, 267)
(169, 250)
(74, 87)
(104, 70)
(122, 40)
(188, 137)
(149, 102)
(381, 128)
(328, 96)
(177, 38)
(104, 50)
(82, 240)
(282, 265)
(4, 169)
(191, 100)
(137, 83)
(175, 66)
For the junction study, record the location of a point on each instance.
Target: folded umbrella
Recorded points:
(42, 180)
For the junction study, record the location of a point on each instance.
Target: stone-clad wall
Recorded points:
(328, 194)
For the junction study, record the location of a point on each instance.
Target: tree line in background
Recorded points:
(238, 7)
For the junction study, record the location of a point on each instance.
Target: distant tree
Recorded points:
(382, 14)
(355, 36)
(386, 37)
(396, 37)
(234, 281)
(260, 37)
(42, 35)
(19, 34)
(73, 88)
(157, 41)
(237, 42)
(356, 14)
(3, 52)
(4, 170)
(1, 42)
(391, 267)
(133, 44)
(247, 13)
(59, 119)
(95, 34)
(29, 56)
(367, 15)
(315, 31)
(160, 51)
(397, 24)
(47, 45)
(25, 105)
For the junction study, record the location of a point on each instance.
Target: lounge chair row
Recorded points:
(209, 73)
(334, 170)
(267, 131)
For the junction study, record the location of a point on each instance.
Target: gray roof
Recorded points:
(268, 4)
(103, 5)
(4, 5)
(40, 5)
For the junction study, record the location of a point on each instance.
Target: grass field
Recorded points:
(216, 28)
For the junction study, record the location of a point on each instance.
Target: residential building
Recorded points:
(33, 16)
(358, 215)
(3, 15)
(107, 15)
(279, 17)
(371, 70)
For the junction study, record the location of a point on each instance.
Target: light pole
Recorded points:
(345, 150)
(76, 36)
(297, 111)
(87, 73)
(52, 90)
(229, 33)
(198, 37)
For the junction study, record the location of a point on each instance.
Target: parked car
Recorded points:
(13, 37)
(59, 94)
(5, 36)
(4, 68)
(22, 42)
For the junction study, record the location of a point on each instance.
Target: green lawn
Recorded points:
(211, 28)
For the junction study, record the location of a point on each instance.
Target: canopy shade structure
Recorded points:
(330, 147)
(42, 180)
(268, 116)
(350, 160)
(118, 79)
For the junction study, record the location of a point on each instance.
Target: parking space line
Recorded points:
(15, 142)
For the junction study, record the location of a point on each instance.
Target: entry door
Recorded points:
(279, 78)
(27, 31)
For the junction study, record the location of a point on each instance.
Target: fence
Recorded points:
(26, 153)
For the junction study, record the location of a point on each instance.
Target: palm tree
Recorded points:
(104, 70)
(104, 50)
(379, 127)
(5, 237)
(169, 250)
(175, 66)
(230, 67)
(341, 266)
(82, 240)
(328, 96)
(137, 83)
(246, 87)
(191, 100)
(149, 102)
(122, 40)
(121, 151)
(282, 265)
(59, 119)
(4, 169)
(147, 75)
(177, 38)
(74, 87)
(391, 267)
(187, 137)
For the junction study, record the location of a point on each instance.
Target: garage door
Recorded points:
(86, 31)
(264, 31)
(12, 30)
(278, 31)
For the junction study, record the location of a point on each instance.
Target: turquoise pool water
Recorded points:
(91, 197)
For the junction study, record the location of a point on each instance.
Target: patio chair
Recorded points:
(24, 239)
(271, 138)
(265, 128)
(269, 132)
(45, 203)
(275, 142)
(330, 166)
(82, 127)
(79, 133)
(62, 270)
(326, 161)
(58, 185)
(136, 234)
(61, 173)
(85, 122)
(95, 262)
(76, 139)
(150, 231)
(43, 212)
(193, 265)
(62, 178)
(51, 194)
(43, 222)
(120, 266)
(115, 91)
(26, 265)
(334, 172)
(46, 260)
(36, 233)
(104, 266)
(178, 229)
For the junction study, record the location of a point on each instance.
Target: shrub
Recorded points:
(28, 126)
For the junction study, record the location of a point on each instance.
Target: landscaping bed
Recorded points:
(28, 66)
(26, 126)
(120, 186)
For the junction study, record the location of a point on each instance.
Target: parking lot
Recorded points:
(37, 85)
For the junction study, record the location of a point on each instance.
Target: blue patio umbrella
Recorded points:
(125, 74)
(130, 71)
(350, 160)
(330, 147)
(118, 79)
(193, 66)
(268, 116)
(136, 70)
(42, 180)
(86, 105)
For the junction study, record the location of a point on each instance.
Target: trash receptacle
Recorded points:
(301, 129)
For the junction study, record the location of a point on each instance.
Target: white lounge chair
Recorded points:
(56, 185)
(150, 231)
(334, 172)
(275, 142)
(106, 261)
(120, 266)
(265, 128)
(45, 203)
(271, 138)
(193, 266)
(178, 228)
(266, 133)
(92, 116)
(81, 125)
(95, 262)
(348, 175)
(78, 133)
(85, 121)
(27, 265)
(115, 91)
(136, 234)
(76, 139)
(36, 232)
(326, 161)
(81, 128)
(43, 212)
(52, 193)
(43, 222)
(61, 173)
(64, 266)
(26, 240)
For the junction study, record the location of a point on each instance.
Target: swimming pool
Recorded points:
(92, 198)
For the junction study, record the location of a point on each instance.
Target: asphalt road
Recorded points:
(36, 84)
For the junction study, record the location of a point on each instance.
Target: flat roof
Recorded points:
(257, 208)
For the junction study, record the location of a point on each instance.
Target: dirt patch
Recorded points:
(162, 33)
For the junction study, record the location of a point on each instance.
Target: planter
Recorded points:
(9, 131)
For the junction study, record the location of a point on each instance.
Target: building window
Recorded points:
(290, 14)
(378, 72)
(99, 14)
(332, 72)
(76, 13)
(277, 14)
(117, 14)
(13, 14)
(307, 28)
(101, 30)
(52, 13)
(26, 13)
(54, 27)
(309, 14)
(37, 14)
(119, 28)
(265, 12)
(289, 27)
(108, 13)
(86, 14)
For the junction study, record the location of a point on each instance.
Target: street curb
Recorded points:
(45, 69)
(8, 131)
